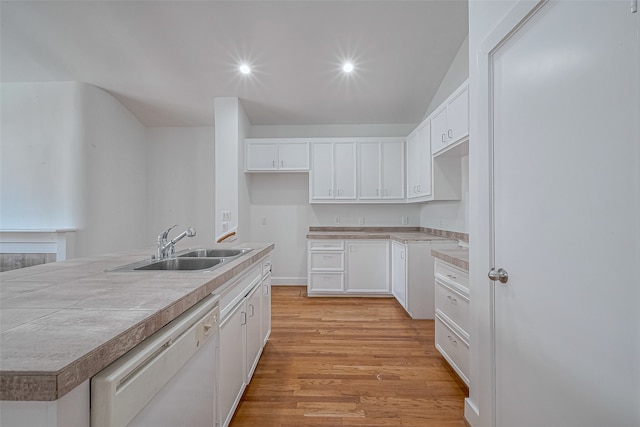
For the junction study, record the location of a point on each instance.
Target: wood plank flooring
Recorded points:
(349, 362)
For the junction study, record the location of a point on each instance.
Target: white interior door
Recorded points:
(566, 206)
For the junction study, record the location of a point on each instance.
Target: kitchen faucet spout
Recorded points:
(167, 249)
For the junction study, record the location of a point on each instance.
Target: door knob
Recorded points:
(500, 275)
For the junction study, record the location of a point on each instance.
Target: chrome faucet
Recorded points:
(166, 249)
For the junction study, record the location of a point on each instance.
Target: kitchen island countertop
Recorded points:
(63, 322)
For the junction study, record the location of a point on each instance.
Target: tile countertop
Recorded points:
(455, 255)
(63, 322)
(399, 234)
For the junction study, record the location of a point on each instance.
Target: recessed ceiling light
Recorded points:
(347, 67)
(245, 69)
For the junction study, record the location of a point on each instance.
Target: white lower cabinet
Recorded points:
(367, 267)
(253, 307)
(266, 300)
(339, 267)
(244, 328)
(452, 316)
(412, 272)
(325, 267)
(232, 355)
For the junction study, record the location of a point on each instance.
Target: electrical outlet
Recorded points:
(405, 220)
(226, 215)
(361, 220)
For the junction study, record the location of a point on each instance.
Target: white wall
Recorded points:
(180, 183)
(114, 173)
(451, 215)
(226, 163)
(457, 73)
(72, 157)
(41, 151)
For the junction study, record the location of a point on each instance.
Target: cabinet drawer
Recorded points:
(451, 273)
(326, 245)
(326, 260)
(326, 282)
(454, 348)
(453, 303)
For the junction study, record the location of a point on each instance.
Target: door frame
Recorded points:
(480, 407)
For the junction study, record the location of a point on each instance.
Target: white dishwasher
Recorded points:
(168, 380)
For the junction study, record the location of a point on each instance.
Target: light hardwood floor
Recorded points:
(349, 362)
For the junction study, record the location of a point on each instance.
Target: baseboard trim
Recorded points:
(471, 415)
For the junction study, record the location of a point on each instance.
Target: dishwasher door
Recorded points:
(169, 380)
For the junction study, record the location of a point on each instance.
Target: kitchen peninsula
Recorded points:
(64, 322)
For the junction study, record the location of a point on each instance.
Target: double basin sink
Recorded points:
(188, 260)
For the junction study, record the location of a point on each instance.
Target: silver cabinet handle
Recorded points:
(273, 162)
(454, 342)
(281, 163)
(452, 299)
(450, 133)
(253, 310)
(419, 190)
(499, 275)
(451, 277)
(243, 316)
(444, 137)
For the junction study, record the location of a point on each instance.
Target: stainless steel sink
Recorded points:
(183, 264)
(188, 260)
(213, 253)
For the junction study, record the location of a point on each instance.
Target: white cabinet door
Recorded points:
(369, 176)
(381, 170)
(367, 266)
(232, 378)
(458, 116)
(450, 121)
(254, 332)
(293, 156)
(399, 272)
(412, 165)
(392, 170)
(419, 161)
(321, 178)
(439, 129)
(266, 308)
(345, 170)
(262, 156)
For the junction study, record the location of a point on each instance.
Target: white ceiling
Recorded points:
(167, 60)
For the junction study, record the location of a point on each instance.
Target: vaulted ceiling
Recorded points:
(167, 60)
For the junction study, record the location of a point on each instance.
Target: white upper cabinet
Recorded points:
(450, 121)
(354, 170)
(333, 171)
(345, 170)
(419, 161)
(381, 170)
(276, 154)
